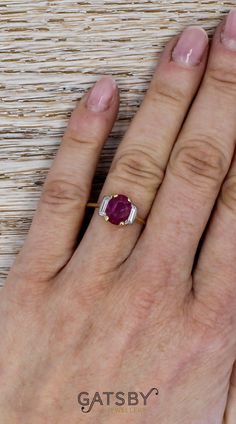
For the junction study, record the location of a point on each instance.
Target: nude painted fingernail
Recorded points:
(101, 95)
(190, 47)
(228, 36)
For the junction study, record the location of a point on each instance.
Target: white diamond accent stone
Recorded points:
(132, 215)
(103, 206)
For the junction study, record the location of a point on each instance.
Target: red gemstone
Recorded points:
(118, 209)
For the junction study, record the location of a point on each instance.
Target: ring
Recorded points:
(118, 210)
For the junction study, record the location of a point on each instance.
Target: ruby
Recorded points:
(118, 209)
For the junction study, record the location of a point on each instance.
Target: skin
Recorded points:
(133, 308)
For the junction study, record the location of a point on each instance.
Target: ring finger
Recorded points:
(139, 164)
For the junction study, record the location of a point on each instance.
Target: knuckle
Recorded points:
(222, 79)
(212, 316)
(228, 193)
(75, 138)
(138, 167)
(200, 162)
(162, 92)
(61, 193)
(143, 303)
(27, 290)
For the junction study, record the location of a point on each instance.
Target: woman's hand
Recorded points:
(130, 310)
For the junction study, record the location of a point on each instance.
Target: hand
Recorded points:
(134, 308)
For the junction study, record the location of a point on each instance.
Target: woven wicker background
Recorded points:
(50, 52)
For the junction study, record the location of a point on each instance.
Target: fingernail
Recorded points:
(228, 36)
(101, 95)
(190, 47)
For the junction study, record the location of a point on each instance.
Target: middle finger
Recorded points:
(198, 164)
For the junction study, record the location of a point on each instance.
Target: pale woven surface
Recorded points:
(50, 52)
